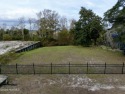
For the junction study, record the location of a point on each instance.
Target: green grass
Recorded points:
(8, 57)
(72, 54)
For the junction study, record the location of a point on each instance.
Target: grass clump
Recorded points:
(8, 57)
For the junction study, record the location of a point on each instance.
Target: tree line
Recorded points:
(52, 29)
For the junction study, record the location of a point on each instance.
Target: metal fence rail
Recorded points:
(63, 69)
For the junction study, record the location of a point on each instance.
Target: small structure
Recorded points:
(29, 47)
(3, 80)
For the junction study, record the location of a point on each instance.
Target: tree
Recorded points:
(26, 34)
(22, 25)
(38, 22)
(1, 33)
(85, 27)
(32, 26)
(72, 31)
(3, 29)
(7, 37)
(63, 23)
(72, 23)
(31, 23)
(63, 37)
(4, 26)
(94, 35)
(15, 33)
(116, 17)
(49, 23)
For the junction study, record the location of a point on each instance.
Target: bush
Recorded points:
(8, 57)
(49, 42)
(63, 38)
(7, 37)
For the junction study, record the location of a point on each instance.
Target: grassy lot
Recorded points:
(72, 54)
(65, 84)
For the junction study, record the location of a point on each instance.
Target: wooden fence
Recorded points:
(63, 69)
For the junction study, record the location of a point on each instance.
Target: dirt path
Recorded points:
(65, 84)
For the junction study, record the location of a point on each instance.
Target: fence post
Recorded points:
(69, 67)
(0, 68)
(33, 69)
(123, 68)
(87, 68)
(51, 69)
(105, 69)
(16, 69)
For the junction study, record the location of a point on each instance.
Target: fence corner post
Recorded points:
(33, 68)
(105, 69)
(123, 68)
(87, 68)
(69, 67)
(16, 68)
(0, 69)
(51, 69)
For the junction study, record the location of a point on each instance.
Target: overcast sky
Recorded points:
(13, 9)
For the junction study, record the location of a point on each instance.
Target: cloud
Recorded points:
(18, 12)
(13, 9)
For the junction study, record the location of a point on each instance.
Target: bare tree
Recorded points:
(4, 26)
(72, 23)
(48, 22)
(22, 25)
(31, 22)
(37, 22)
(39, 15)
(63, 23)
(32, 25)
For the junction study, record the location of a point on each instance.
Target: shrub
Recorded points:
(7, 37)
(63, 38)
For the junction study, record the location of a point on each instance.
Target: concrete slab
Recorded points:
(3, 79)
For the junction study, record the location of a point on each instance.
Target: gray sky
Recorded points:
(12, 10)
